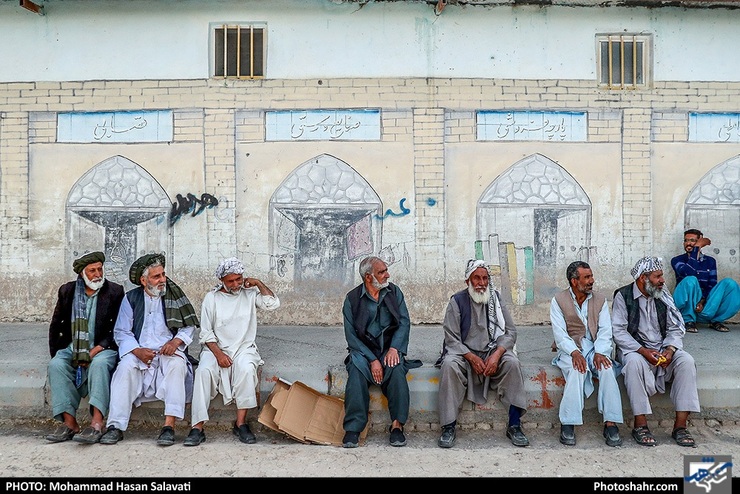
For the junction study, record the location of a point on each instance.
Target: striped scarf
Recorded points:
(178, 311)
(80, 334)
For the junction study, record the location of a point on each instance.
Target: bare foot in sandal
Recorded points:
(683, 437)
(643, 436)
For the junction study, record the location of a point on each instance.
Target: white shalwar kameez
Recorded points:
(230, 321)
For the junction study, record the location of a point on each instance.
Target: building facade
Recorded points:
(302, 136)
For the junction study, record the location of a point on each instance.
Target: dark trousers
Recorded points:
(357, 396)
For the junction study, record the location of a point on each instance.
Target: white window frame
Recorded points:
(219, 42)
(642, 45)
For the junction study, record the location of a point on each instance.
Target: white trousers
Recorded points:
(134, 383)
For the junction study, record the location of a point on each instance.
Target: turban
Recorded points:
(232, 265)
(79, 264)
(647, 264)
(474, 264)
(139, 265)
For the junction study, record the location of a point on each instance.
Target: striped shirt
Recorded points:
(699, 265)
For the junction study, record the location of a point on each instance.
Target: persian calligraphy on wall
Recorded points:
(115, 127)
(531, 126)
(714, 127)
(323, 125)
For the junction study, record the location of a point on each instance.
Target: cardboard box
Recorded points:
(305, 414)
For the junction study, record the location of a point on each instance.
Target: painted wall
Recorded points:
(168, 39)
(379, 158)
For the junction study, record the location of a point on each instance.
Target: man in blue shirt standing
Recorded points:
(698, 295)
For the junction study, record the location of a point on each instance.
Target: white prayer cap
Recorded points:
(647, 264)
(474, 264)
(232, 265)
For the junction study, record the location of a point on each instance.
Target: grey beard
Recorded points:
(156, 292)
(653, 290)
(479, 298)
(93, 285)
(377, 285)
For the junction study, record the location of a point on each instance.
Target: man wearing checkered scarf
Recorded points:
(479, 355)
(648, 332)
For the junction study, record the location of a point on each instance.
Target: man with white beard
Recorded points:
(648, 332)
(82, 348)
(478, 355)
(377, 328)
(155, 325)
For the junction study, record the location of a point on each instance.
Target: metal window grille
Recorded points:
(239, 52)
(623, 61)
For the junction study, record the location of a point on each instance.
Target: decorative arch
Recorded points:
(713, 206)
(320, 217)
(118, 207)
(553, 217)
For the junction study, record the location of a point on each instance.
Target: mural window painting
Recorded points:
(624, 61)
(239, 51)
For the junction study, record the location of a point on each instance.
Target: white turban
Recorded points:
(232, 265)
(474, 264)
(647, 264)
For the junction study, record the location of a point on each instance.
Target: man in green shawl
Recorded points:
(155, 325)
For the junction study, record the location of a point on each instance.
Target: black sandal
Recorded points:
(643, 436)
(683, 437)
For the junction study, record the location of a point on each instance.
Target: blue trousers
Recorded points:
(722, 303)
(65, 397)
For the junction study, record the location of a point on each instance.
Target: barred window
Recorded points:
(624, 61)
(239, 51)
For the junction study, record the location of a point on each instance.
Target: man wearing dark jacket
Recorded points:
(82, 348)
(377, 326)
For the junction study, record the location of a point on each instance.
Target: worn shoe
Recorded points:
(568, 435)
(611, 434)
(89, 435)
(691, 327)
(447, 439)
(61, 433)
(244, 433)
(351, 439)
(516, 434)
(167, 436)
(397, 437)
(112, 435)
(195, 437)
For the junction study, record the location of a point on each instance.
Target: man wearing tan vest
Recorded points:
(582, 329)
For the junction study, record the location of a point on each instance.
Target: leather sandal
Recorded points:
(683, 437)
(718, 326)
(643, 436)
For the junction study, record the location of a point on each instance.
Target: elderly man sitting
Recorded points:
(84, 313)
(229, 358)
(154, 328)
(648, 331)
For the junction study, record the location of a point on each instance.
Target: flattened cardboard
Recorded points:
(304, 414)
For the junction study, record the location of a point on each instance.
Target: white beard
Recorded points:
(377, 285)
(93, 285)
(479, 298)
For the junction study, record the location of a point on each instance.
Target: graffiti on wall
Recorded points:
(389, 212)
(191, 204)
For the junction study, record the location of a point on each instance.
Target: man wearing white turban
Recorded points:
(229, 357)
(478, 355)
(648, 332)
